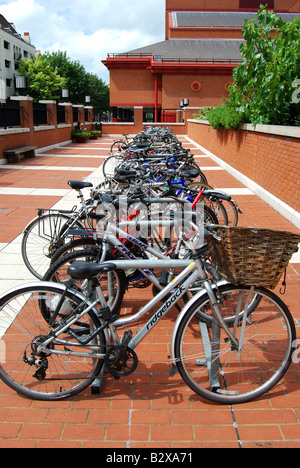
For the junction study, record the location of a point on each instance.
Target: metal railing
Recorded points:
(39, 114)
(160, 59)
(10, 114)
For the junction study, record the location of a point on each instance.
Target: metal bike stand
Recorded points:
(96, 386)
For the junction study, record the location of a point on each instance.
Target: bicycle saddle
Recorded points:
(83, 270)
(192, 172)
(77, 185)
(125, 173)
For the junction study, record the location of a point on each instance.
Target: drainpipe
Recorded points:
(156, 98)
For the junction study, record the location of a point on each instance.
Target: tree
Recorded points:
(263, 83)
(73, 72)
(99, 92)
(79, 82)
(43, 81)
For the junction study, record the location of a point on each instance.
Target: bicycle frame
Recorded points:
(109, 237)
(193, 271)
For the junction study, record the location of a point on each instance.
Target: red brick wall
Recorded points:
(271, 161)
(132, 88)
(177, 87)
(40, 137)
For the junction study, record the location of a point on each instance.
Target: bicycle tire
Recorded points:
(110, 164)
(232, 213)
(114, 292)
(118, 146)
(23, 331)
(263, 361)
(77, 244)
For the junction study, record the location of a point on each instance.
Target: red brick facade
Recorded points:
(157, 79)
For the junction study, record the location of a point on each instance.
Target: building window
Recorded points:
(8, 82)
(7, 64)
(25, 53)
(255, 4)
(6, 45)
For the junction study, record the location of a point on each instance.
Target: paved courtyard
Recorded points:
(149, 408)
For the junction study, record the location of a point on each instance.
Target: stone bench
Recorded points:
(15, 155)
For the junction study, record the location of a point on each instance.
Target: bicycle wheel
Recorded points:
(227, 211)
(42, 237)
(211, 367)
(113, 283)
(110, 164)
(57, 373)
(77, 244)
(118, 146)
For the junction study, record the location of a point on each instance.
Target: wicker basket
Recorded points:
(252, 256)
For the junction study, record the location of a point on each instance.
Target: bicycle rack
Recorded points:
(209, 361)
(96, 386)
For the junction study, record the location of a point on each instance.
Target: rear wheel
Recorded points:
(42, 238)
(59, 372)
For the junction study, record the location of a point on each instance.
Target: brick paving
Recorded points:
(148, 408)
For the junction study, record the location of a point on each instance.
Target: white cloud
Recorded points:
(88, 30)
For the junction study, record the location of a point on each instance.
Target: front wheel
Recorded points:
(213, 368)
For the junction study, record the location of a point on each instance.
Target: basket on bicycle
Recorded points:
(252, 256)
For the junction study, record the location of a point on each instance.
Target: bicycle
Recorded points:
(47, 232)
(233, 358)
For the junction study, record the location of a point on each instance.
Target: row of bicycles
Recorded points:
(153, 221)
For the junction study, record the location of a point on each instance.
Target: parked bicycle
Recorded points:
(230, 343)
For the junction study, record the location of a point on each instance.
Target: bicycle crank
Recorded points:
(121, 360)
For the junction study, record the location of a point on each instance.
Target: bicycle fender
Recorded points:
(39, 284)
(194, 299)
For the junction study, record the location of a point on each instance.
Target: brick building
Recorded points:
(195, 61)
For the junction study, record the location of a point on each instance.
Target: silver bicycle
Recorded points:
(227, 345)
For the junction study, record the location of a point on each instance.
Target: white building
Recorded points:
(13, 47)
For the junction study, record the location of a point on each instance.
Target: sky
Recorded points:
(88, 29)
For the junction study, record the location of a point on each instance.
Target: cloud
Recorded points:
(88, 30)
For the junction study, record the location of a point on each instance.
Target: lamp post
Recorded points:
(65, 94)
(184, 103)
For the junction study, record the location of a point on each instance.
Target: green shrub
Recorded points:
(203, 113)
(226, 117)
(263, 82)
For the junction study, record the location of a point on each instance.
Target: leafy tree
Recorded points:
(263, 83)
(99, 92)
(73, 72)
(43, 81)
(79, 82)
